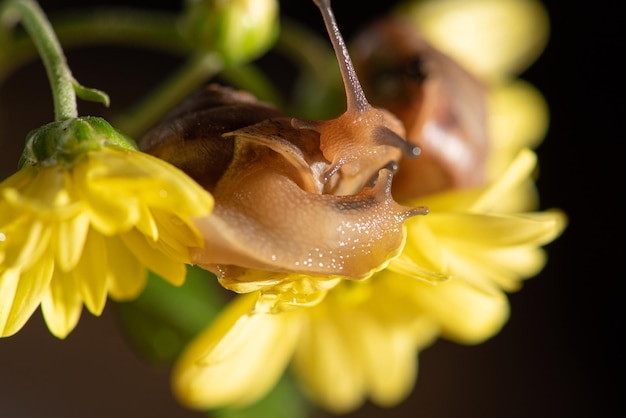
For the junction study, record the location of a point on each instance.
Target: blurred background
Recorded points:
(560, 355)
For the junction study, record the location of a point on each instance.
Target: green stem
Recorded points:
(39, 29)
(198, 69)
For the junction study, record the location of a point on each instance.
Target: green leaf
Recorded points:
(89, 94)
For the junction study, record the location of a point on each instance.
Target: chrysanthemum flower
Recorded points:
(473, 239)
(85, 217)
(359, 339)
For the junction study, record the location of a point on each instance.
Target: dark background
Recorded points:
(560, 355)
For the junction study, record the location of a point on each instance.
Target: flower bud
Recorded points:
(240, 30)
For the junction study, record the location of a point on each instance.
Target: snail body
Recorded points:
(291, 196)
(268, 178)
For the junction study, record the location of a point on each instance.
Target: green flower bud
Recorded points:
(240, 30)
(62, 142)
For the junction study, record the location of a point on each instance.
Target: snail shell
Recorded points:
(442, 107)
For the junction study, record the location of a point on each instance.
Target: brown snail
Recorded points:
(442, 106)
(291, 195)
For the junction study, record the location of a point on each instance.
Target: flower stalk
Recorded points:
(63, 85)
(59, 74)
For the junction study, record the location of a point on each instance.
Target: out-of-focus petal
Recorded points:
(238, 359)
(479, 246)
(474, 229)
(391, 376)
(327, 367)
(518, 118)
(122, 265)
(465, 313)
(494, 39)
(379, 329)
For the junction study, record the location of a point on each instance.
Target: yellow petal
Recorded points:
(479, 248)
(46, 194)
(19, 180)
(175, 235)
(61, 304)
(422, 257)
(496, 196)
(9, 280)
(178, 190)
(494, 39)
(158, 183)
(24, 242)
(481, 267)
(21, 293)
(146, 223)
(390, 303)
(111, 210)
(324, 355)
(465, 314)
(69, 241)
(236, 360)
(525, 261)
(475, 230)
(389, 358)
(127, 277)
(92, 273)
(518, 118)
(147, 253)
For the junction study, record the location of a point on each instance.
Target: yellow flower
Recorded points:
(84, 218)
(472, 239)
(361, 340)
(358, 340)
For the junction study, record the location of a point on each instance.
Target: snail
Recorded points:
(295, 196)
(442, 106)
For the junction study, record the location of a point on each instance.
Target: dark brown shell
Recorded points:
(191, 136)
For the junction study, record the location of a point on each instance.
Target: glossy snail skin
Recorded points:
(291, 196)
(272, 211)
